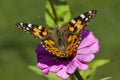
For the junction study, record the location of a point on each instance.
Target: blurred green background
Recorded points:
(17, 49)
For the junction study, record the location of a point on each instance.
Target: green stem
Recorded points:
(72, 77)
(54, 11)
(77, 74)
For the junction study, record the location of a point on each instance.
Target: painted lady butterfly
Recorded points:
(61, 41)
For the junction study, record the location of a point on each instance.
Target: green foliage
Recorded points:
(62, 13)
(35, 69)
(89, 74)
(106, 78)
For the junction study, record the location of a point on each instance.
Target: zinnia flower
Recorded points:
(63, 68)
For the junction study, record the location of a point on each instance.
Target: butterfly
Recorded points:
(60, 41)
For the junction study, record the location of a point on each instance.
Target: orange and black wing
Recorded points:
(36, 30)
(42, 33)
(72, 31)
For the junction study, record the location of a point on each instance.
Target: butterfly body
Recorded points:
(61, 41)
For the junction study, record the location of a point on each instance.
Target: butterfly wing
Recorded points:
(36, 30)
(44, 34)
(73, 29)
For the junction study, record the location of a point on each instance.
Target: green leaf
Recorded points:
(35, 69)
(106, 78)
(98, 63)
(89, 74)
(62, 12)
(50, 76)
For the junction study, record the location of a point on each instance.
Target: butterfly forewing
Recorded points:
(77, 24)
(36, 30)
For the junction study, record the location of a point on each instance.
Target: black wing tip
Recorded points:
(94, 11)
(18, 24)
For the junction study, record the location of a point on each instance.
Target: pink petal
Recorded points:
(42, 66)
(85, 57)
(55, 68)
(88, 45)
(81, 65)
(62, 73)
(71, 67)
(45, 71)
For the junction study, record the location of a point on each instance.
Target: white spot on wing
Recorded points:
(23, 27)
(86, 19)
(73, 21)
(89, 16)
(29, 25)
(40, 27)
(82, 16)
(27, 29)
(41, 42)
(21, 24)
(90, 12)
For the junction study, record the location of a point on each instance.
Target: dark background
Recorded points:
(17, 49)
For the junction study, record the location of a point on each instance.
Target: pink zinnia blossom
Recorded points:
(63, 68)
